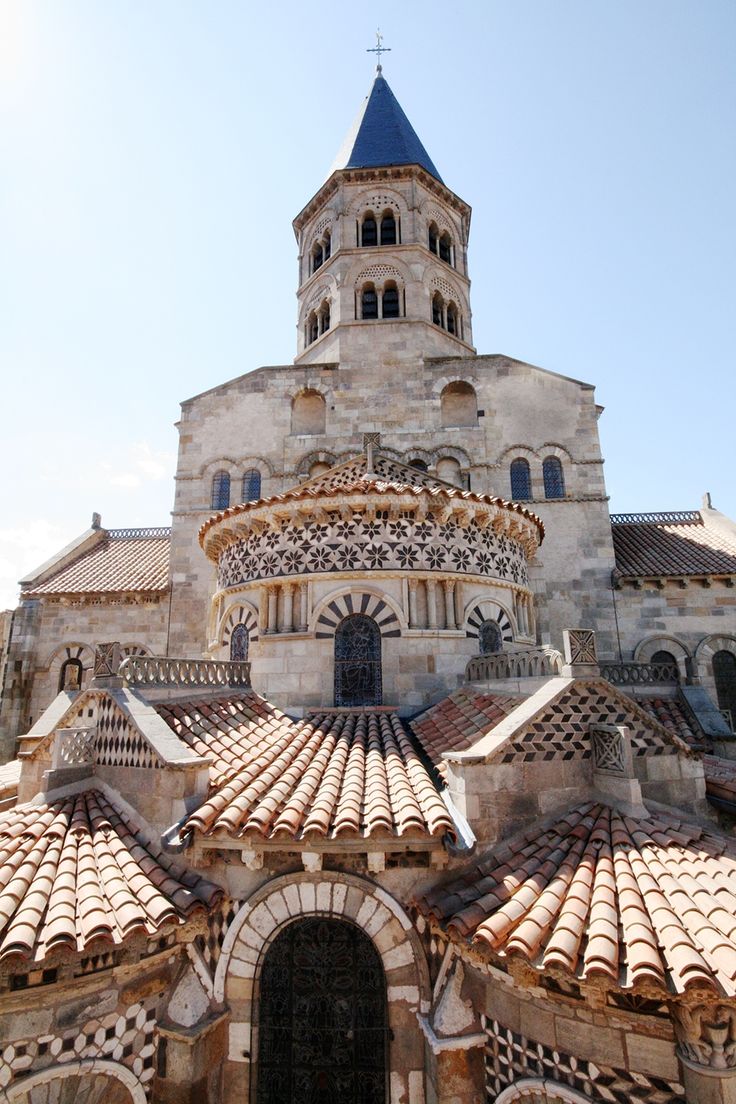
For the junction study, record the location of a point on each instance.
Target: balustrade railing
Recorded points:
(640, 674)
(524, 663)
(164, 671)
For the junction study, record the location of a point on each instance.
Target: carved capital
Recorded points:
(706, 1035)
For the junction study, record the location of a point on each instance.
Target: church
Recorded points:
(397, 769)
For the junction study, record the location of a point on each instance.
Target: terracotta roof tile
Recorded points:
(117, 563)
(334, 773)
(459, 721)
(673, 717)
(720, 778)
(77, 870)
(635, 900)
(670, 544)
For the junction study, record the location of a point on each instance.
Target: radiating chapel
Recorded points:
(396, 771)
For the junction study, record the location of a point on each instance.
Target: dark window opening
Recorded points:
(388, 229)
(369, 232)
(724, 674)
(420, 464)
(554, 480)
(317, 258)
(521, 480)
(433, 239)
(490, 638)
(357, 661)
(312, 328)
(369, 303)
(391, 303)
(445, 248)
(437, 310)
(327, 247)
(451, 320)
(221, 491)
(70, 675)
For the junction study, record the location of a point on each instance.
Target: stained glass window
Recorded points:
(251, 485)
(221, 491)
(322, 1017)
(239, 644)
(489, 637)
(357, 661)
(554, 480)
(724, 673)
(521, 480)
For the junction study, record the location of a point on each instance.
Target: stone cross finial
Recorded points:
(378, 49)
(370, 440)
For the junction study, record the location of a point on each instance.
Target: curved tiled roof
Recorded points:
(673, 717)
(117, 563)
(671, 544)
(648, 902)
(720, 778)
(356, 773)
(75, 871)
(458, 721)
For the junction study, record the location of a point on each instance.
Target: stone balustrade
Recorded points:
(520, 663)
(640, 674)
(152, 671)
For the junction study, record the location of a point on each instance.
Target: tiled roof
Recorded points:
(674, 718)
(457, 722)
(633, 900)
(77, 870)
(228, 730)
(354, 773)
(670, 544)
(389, 477)
(720, 778)
(382, 135)
(116, 563)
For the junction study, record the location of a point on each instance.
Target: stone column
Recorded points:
(448, 586)
(273, 609)
(263, 610)
(413, 584)
(431, 604)
(302, 607)
(288, 625)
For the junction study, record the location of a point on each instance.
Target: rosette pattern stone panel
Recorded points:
(373, 545)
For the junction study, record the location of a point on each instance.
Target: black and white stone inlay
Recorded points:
(381, 544)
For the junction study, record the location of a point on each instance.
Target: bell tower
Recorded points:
(383, 262)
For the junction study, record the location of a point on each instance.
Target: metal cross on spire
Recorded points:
(379, 49)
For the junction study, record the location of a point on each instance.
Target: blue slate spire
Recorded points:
(382, 135)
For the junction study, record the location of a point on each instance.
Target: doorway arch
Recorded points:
(322, 1016)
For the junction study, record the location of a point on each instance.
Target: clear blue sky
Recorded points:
(152, 156)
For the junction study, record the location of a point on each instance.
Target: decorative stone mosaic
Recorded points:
(126, 1037)
(218, 922)
(563, 730)
(118, 743)
(369, 604)
(378, 545)
(510, 1057)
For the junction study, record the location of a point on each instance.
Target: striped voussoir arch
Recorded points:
(486, 610)
(369, 604)
(240, 615)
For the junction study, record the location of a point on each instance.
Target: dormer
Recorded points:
(383, 250)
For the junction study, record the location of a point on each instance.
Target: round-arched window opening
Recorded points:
(251, 485)
(322, 1017)
(71, 674)
(490, 639)
(419, 464)
(220, 491)
(357, 662)
(666, 659)
(521, 480)
(239, 642)
(459, 404)
(724, 675)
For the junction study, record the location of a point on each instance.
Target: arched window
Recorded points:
(390, 304)
(433, 237)
(437, 309)
(420, 464)
(521, 479)
(388, 228)
(490, 637)
(323, 316)
(459, 405)
(554, 480)
(357, 661)
(445, 248)
(369, 302)
(665, 659)
(251, 485)
(220, 490)
(452, 322)
(369, 230)
(327, 245)
(724, 674)
(71, 674)
(318, 468)
(449, 471)
(312, 328)
(239, 644)
(323, 1024)
(317, 256)
(308, 413)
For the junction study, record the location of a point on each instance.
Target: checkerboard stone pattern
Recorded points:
(218, 922)
(510, 1057)
(125, 1036)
